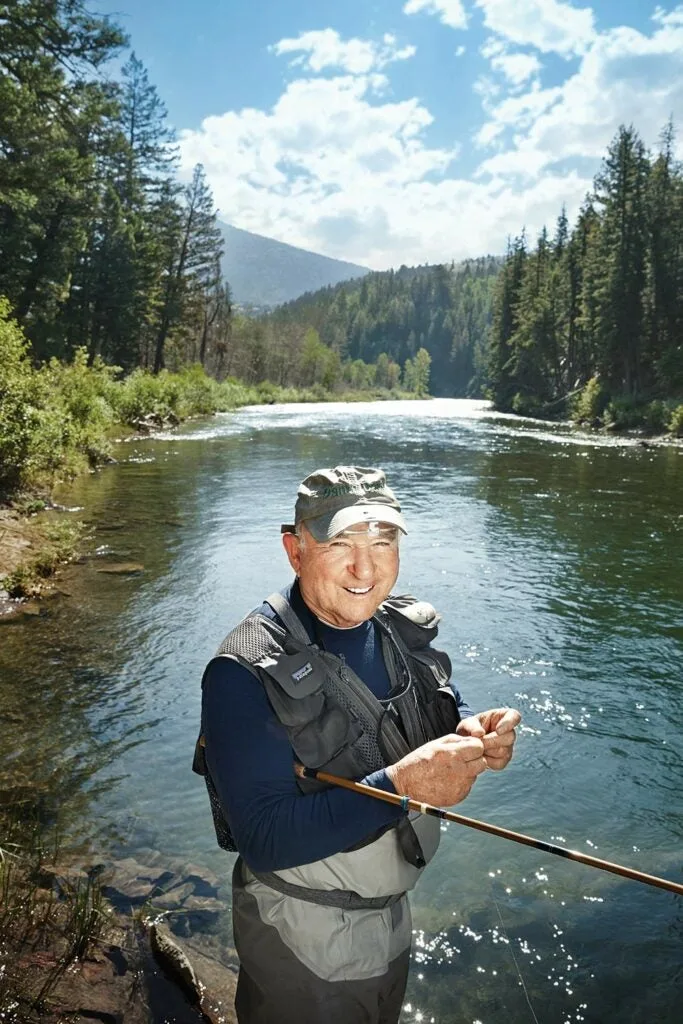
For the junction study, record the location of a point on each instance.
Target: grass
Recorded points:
(61, 539)
(49, 919)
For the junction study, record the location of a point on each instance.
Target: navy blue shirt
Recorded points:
(250, 760)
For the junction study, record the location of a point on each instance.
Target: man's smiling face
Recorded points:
(344, 580)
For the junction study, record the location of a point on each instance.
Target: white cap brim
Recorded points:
(324, 528)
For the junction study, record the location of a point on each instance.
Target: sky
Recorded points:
(405, 131)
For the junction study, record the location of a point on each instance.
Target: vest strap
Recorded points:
(288, 616)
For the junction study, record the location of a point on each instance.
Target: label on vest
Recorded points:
(301, 673)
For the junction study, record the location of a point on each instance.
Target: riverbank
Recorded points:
(592, 407)
(101, 943)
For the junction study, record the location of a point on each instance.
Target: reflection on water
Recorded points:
(555, 559)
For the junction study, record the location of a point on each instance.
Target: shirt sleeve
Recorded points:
(250, 761)
(464, 710)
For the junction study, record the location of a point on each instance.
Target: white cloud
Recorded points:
(623, 74)
(548, 25)
(319, 168)
(451, 12)
(340, 166)
(460, 51)
(673, 18)
(326, 49)
(516, 68)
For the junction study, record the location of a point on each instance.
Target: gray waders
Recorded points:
(350, 966)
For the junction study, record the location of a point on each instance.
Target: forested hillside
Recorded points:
(445, 310)
(590, 321)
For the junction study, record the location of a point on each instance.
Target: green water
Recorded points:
(557, 563)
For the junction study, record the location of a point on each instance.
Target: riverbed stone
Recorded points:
(122, 568)
(172, 958)
(215, 972)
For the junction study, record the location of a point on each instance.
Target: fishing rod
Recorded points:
(407, 804)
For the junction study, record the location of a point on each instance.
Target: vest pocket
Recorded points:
(438, 701)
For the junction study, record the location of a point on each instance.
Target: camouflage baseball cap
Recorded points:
(331, 500)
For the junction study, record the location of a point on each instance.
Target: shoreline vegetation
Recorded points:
(60, 419)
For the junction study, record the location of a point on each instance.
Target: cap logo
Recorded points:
(340, 489)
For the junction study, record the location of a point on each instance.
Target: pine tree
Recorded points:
(621, 192)
(194, 248)
(503, 384)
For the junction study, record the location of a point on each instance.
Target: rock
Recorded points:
(216, 978)
(30, 609)
(122, 568)
(171, 957)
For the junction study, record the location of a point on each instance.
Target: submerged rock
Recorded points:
(122, 568)
(201, 971)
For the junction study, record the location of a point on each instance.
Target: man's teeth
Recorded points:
(359, 590)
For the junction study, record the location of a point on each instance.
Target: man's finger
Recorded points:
(468, 749)
(471, 727)
(496, 764)
(508, 721)
(494, 740)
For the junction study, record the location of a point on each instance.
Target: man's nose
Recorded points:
(362, 564)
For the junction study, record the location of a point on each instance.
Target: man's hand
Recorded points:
(496, 731)
(440, 772)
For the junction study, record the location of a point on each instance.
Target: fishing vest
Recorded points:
(336, 724)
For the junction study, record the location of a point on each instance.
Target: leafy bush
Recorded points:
(676, 422)
(624, 413)
(590, 404)
(139, 395)
(656, 416)
(526, 405)
(197, 393)
(18, 397)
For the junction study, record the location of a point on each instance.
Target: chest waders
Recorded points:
(338, 928)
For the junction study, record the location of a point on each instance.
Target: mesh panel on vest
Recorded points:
(368, 744)
(250, 640)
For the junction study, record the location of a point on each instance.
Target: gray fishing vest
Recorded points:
(336, 724)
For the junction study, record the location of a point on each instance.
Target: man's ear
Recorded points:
(292, 546)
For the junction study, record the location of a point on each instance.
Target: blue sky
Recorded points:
(405, 131)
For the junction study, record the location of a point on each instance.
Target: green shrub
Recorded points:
(18, 398)
(526, 405)
(624, 413)
(590, 404)
(138, 395)
(675, 424)
(196, 394)
(656, 416)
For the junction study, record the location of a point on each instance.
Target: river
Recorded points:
(556, 560)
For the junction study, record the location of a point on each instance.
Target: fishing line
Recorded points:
(514, 958)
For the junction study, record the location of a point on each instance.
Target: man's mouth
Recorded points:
(359, 591)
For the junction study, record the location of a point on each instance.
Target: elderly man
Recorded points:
(335, 674)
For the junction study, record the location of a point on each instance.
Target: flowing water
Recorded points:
(557, 563)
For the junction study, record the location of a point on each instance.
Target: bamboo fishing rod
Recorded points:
(407, 804)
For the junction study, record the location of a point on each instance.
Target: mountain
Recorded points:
(265, 273)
